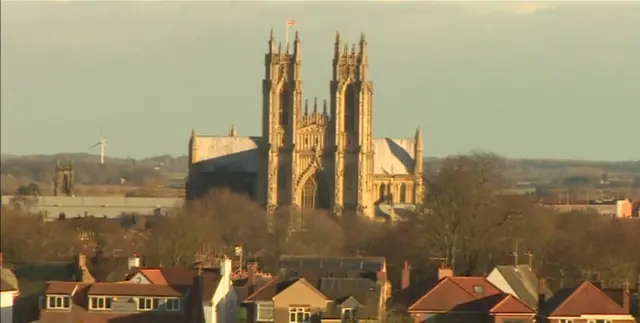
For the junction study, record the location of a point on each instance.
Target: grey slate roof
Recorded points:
(524, 283)
(240, 154)
(362, 292)
(364, 264)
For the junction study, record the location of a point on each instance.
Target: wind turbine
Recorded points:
(102, 143)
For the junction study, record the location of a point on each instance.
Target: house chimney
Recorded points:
(406, 274)
(597, 281)
(444, 271)
(86, 276)
(196, 314)
(542, 297)
(82, 261)
(626, 297)
(134, 261)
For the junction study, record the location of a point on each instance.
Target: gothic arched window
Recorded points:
(284, 106)
(403, 193)
(350, 107)
(315, 194)
(309, 194)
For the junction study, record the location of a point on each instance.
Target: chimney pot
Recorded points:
(134, 261)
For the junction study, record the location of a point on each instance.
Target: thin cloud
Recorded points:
(516, 8)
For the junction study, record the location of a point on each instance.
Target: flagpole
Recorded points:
(286, 36)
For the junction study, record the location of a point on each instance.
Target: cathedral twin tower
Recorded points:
(325, 159)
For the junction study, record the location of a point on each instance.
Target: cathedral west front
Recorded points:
(311, 154)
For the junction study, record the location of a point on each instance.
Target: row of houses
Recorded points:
(313, 289)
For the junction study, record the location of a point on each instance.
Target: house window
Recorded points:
(299, 315)
(478, 289)
(147, 304)
(58, 302)
(264, 312)
(100, 303)
(172, 304)
(348, 314)
(599, 321)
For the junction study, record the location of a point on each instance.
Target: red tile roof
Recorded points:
(469, 294)
(79, 309)
(155, 276)
(584, 299)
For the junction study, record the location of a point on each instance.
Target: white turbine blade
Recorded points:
(96, 145)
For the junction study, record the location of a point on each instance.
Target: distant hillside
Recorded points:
(156, 171)
(167, 170)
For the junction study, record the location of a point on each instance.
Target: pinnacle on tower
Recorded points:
(315, 105)
(362, 38)
(193, 133)
(306, 106)
(272, 41)
(296, 46)
(232, 131)
(419, 143)
(324, 108)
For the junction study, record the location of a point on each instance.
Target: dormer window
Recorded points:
(478, 289)
(58, 302)
(349, 314)
(99, 303)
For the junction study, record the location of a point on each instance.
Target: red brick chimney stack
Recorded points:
(444, 271)
(406, 275)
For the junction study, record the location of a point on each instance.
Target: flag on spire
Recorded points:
(291, 23)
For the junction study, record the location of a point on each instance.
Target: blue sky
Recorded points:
(522, 79)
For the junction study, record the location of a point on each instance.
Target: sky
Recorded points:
(521, 79)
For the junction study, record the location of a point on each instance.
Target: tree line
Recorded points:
(464, 223)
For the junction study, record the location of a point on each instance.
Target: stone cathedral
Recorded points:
(313, 155)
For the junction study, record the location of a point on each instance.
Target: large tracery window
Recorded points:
(315, 194)
(350, 108)
(284, 106)
(309, 194)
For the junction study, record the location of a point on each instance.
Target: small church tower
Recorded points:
(63, 179)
